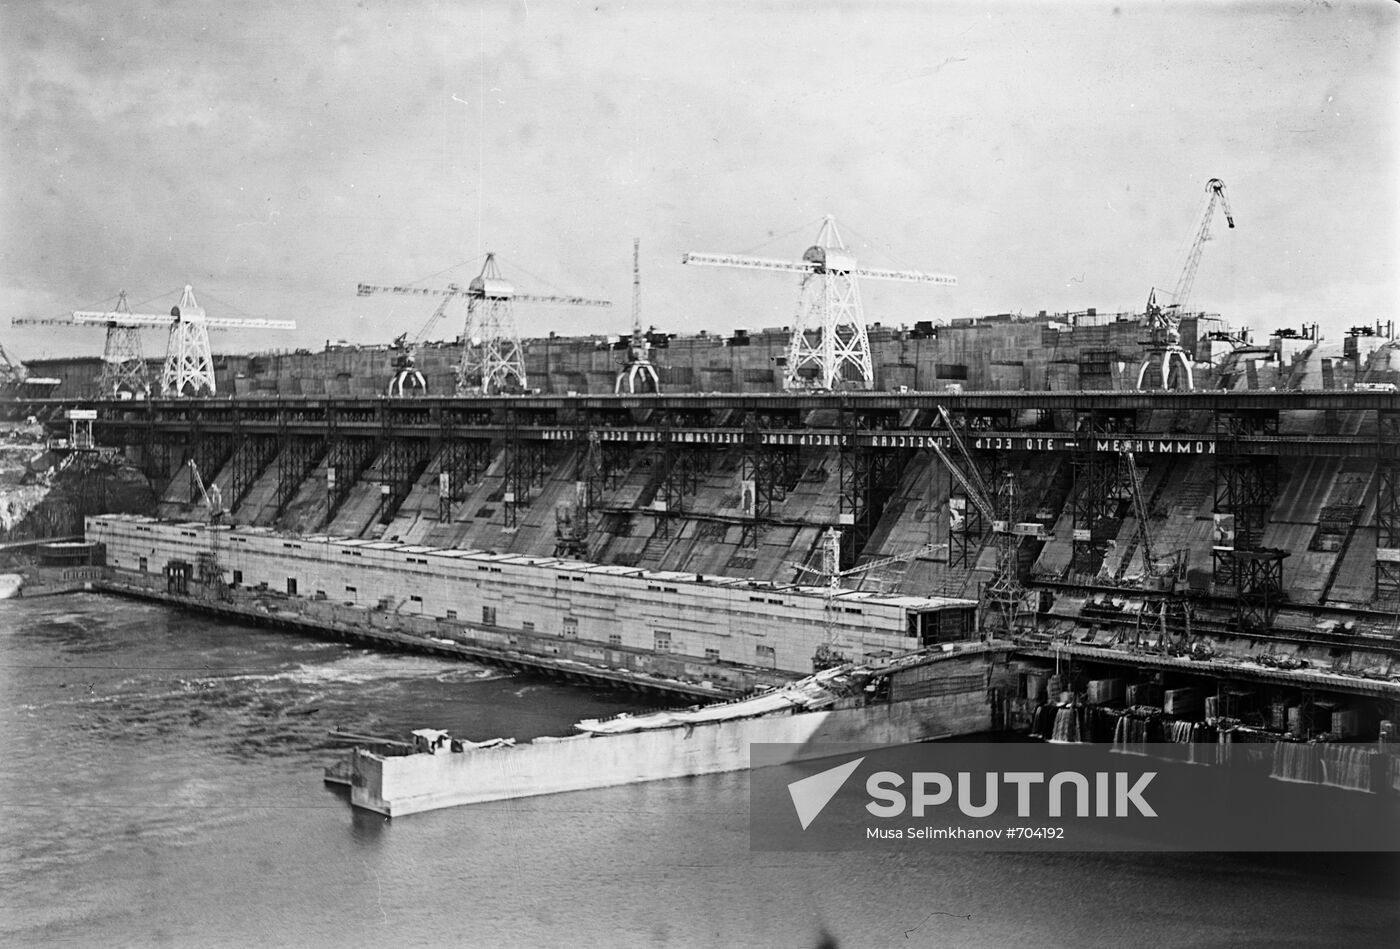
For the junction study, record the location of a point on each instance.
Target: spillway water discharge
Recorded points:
(161, 785)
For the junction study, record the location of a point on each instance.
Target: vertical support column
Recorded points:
(682, 465)
(574, 524)
(156, 451)
(348, 455)
(966, 524)
(464, 460)
(1098, 487)
(1095, 480)
(404, 457)
(1388, 507)
(209, 450)
(295, 462)
(1245, 488)
(868, 478)
(525, 462)
(1003, 596)
(758, 492)
(450, 463)
(250, 459)
(668, 491)
(1260, 582)
(515, 482)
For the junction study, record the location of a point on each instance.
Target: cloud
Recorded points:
(277, 154)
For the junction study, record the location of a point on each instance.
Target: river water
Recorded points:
(160, 785)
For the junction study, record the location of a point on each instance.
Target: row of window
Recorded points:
(663, 642)
(763, 599)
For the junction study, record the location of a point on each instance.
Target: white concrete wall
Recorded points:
(741, 622)
(409, 784)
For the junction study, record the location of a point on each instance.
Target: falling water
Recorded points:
(1295, 761)
(1130, 735)
(1068, 728)
(1346, 766)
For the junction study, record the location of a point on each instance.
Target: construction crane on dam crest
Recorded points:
(493, 360)
(829, 347)
(189, 364)
(1163, 344)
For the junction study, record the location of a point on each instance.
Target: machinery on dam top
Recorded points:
(492, 360)
(1163, 345)
(830, 344)
(189, 364)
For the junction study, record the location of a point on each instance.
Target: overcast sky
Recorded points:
(1050, 155)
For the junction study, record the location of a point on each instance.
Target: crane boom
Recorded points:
(366, 289)
(1149, 559)
(831, 542)
(492, 360)
(812, 267)
(560, 300)
(974, 493)
(972, 473)
(890, 561)
(103, 317)
(213, 501)
(1215, 196)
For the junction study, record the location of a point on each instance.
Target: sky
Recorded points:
(1050, 155)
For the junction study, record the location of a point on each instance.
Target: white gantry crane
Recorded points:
(189, 365)
(830, 334)
(492, 359)
(1164, 323)
(123, 362)
(638, 375)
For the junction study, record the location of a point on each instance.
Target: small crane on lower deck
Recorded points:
(212, 497)
(826, 655)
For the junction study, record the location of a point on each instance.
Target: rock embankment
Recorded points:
(45, 494)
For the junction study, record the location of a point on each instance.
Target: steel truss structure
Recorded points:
(250, 459)
(773, 471)
(1245, 487)
(295, 462)
(1388, 508)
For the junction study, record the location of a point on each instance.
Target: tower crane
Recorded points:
(189, 365)
(830, 332)
(638, 375)
(1164, 323)
(123, 362)
(491, 355)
